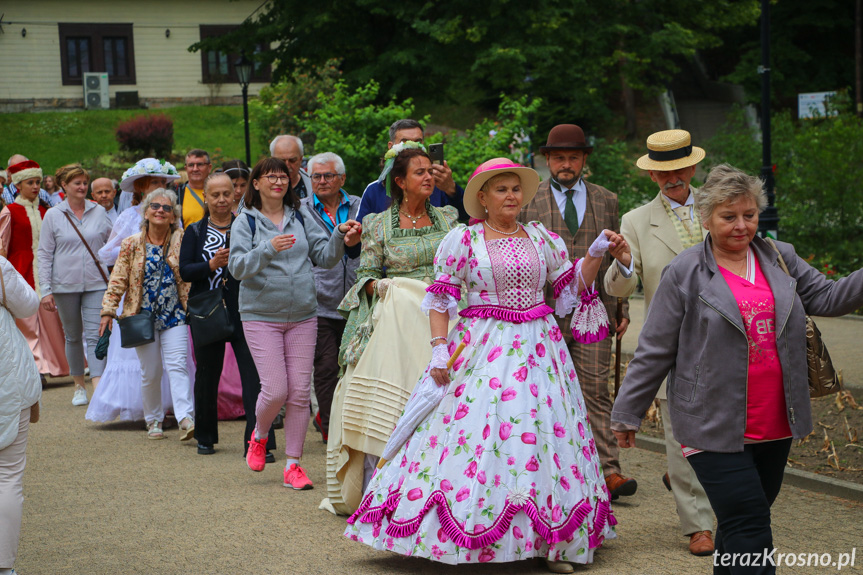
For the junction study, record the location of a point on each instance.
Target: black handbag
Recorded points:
(208, 317)
(137, 330)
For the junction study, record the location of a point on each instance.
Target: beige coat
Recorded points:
(654, 243)
(128, 275)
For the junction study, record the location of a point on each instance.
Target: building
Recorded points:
(46, 47)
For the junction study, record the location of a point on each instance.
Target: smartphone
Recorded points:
(436, 153)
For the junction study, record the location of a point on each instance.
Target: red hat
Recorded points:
(24, 171)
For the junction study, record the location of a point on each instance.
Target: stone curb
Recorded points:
(795, 477)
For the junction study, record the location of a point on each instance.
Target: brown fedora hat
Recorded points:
(566, 137)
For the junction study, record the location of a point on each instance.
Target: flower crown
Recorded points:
(390, 157)
(150, 167)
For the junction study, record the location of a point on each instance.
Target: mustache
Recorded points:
(669, 185)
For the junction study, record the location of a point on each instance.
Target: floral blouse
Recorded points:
(162, 296)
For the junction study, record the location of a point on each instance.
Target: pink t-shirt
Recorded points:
(766, 418)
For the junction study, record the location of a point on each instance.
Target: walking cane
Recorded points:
(619, 317)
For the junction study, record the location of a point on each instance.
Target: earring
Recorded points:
(486, 210)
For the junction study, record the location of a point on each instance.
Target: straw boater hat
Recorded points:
(566, 137)
(148, 167)
(23, 171)
(486, 170)
(670, 150)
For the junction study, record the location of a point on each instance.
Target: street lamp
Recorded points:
(243, 66)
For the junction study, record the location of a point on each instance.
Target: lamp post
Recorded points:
(243, 66)
(768, 224)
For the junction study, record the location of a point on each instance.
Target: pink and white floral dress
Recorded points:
(505, 468)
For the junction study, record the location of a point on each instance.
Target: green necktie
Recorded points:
(570, 215)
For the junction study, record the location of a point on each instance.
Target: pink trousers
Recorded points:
(284, 354)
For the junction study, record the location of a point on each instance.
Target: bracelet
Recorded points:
(434, 339)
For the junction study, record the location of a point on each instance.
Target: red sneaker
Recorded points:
(256, 456)
(296, 478)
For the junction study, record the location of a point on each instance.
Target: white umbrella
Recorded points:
(425, 397)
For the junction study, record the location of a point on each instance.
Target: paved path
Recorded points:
(842, 335)
(102, 499)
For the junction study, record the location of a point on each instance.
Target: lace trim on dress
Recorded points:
(566, 291)
(507, 314)
(498, 529)
(440, 287)
(442, 302)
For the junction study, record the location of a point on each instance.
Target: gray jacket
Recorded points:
(65, 265)
(694, 333)
(333, 284)
(279, 286)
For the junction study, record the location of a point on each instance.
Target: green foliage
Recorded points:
(490, 138)
(574, 54)
(353, 126)
(819, 167)
(811, 50)
(612, 165)
(280, 107)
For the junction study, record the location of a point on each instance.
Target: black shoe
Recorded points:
(666, 482)
(279, 422)
(205, 449)
(270, 458)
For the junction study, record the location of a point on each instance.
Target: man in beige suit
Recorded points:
(656, 232)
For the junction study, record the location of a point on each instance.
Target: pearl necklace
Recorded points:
(411, 218)
(517, 228)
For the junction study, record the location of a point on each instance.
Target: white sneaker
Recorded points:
(80, 396)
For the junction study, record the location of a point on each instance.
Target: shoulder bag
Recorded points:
(139, 329)
(823, 379)
(207, 313)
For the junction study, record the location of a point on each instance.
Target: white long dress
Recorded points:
(118, 395)
(505, 468)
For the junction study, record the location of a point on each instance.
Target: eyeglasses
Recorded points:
(164, 207)
(196, 166)
(328, 177)
(274, 178)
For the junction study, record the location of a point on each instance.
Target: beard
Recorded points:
(567, 178)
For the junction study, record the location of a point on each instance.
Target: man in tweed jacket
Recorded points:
(595, 209)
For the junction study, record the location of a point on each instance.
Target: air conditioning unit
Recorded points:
(96, 91)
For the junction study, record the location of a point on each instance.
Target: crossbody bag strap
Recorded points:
(3, 286)
(86, 245)
(781, 260)
(194, 194)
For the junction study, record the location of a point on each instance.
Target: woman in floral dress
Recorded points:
(505, 467)
(400, 242)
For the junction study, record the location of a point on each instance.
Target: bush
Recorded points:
(280, 107)
(819, 167)
(151, 135)
(612, 166)
(351, 125)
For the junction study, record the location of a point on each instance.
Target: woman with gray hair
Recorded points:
(148, 274)
(728, 327)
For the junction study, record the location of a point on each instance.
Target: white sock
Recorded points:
(290, 461)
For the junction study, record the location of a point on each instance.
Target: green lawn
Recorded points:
(57, 138)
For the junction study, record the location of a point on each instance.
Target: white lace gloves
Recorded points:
(440, 356)
(600, 245)
(382, 286)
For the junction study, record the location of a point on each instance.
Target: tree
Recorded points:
(576, 52)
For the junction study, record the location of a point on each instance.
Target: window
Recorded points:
(218, 67)
(97, 48)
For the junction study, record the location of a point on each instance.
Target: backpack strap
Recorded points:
(253, 225)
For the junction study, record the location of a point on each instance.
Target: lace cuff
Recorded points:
(442, 302)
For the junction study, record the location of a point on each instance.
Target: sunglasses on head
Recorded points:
(164, 207)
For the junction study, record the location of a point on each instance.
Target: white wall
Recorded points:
(30, 67)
